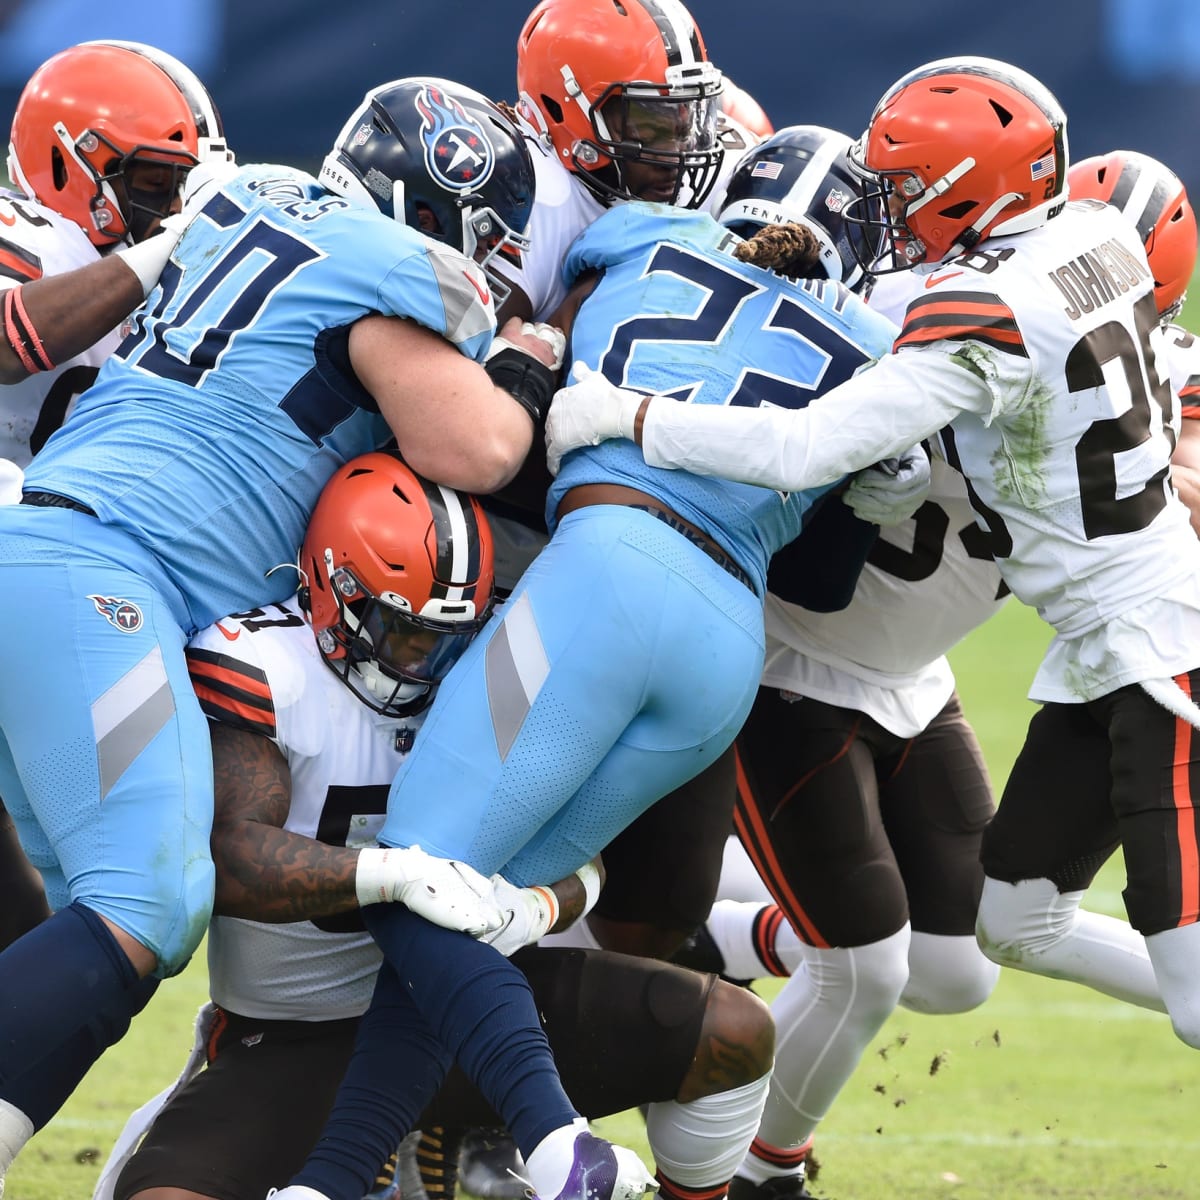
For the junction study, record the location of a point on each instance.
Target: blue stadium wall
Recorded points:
(286, 73)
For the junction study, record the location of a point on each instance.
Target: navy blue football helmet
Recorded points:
(443, 159)
(799, 174)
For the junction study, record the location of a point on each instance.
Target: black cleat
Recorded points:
(783, 1187)
(490, 1166)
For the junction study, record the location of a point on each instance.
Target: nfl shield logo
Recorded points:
(836, 200)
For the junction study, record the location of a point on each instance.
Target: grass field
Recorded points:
(1047, 1091)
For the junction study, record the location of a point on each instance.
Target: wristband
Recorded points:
(590, 878)
(551, 902)
(147, 259)
(530, 383)
(374, 881)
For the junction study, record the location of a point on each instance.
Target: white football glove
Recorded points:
(529, 913)
(11, 480)
(892, 490)
(587, 412)
(550, 334)
(442, 890)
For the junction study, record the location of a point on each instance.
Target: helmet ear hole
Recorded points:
(58, 168)
(1003, 113)
(956, 212)
(552, 107)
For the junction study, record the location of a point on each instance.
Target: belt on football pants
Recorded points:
(54, 500)
(587, 494)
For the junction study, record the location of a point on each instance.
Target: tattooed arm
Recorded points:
(264, 872)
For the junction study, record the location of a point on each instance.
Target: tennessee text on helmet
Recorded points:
(1153, 197)
(104, 132)
(443, 159)
(617, 86)
(800, 174)
(959, 150)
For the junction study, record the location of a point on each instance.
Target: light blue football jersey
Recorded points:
(210, 433)
(675, 313)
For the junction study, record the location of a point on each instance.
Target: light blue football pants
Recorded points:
(624, 663)
(105, 760)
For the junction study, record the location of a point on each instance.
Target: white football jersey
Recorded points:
(1037, 352)
(927, 583)
(563, 208)
(1183, 364)
(34, 241)
(261, 671)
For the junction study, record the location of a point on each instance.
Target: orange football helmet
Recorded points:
(962, 149)
(397, 579)
(609, 85)
(1153, 197)
(111, 113)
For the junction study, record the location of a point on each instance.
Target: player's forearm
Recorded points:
(573, 896)
(873, 416)
(56, 318)
(271, 875)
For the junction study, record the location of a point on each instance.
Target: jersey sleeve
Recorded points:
(18, 263)
(230, 680)
(882, 411)
(444, 291)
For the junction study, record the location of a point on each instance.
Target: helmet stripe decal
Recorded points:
(681, 39)
(455, 528)
(1141, 197)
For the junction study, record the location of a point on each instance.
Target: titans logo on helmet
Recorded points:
(458, 153)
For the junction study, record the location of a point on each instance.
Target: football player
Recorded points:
(179, 483)
(1031, 345)
(862, 791)
(101, 138)
(1151, 195)
(314, 703)
(596, 648)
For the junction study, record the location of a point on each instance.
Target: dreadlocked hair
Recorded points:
(508, 110)
(790, 249)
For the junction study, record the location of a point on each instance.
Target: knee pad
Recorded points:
(1024, 918)
(947, 974)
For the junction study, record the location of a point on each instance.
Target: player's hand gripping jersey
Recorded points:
(238, 456)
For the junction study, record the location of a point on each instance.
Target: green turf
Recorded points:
(1046, 1091)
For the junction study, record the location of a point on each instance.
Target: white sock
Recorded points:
(947, 974)
(15, 1130)
(1175, 954)
(550, 1163)
(1034, 927)
(700, 1144)
(758, 1170)
(825, 1017)
(731, 925)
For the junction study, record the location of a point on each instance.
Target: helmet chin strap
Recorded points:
(385, 689)
(972, 235)
(940, 186)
